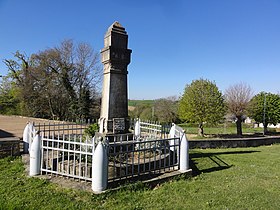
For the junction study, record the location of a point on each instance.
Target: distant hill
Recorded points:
(140, 102)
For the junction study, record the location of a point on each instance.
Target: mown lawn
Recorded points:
(224, 130)
(240, 178)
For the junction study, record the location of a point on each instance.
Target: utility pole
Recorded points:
(264, 110)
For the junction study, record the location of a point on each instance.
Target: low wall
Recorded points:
(232, 143)
(9, 147)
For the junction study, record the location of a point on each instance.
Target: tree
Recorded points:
(142, 111)
(21, 78)
(237, 98)
(202, 102)
(166, 109)
(9, 97)
(265, 108)
(59, 82)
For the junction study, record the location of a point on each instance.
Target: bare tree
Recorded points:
(166, 109)
(60, 82)
(237, 98)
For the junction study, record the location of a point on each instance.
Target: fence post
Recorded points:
(25, 138)
(184, 154)
(35, 156)
(99, 168)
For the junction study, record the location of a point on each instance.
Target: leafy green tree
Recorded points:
(202, 102)
(237, 99)
(9, 97)
(265, 108)
(21, 78)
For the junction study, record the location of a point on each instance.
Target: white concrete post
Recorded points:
(35, 156)
(184, 154)
(25, 138)
(137, 129)
(171, 136)
(31, 134)
(172, 131)
(99, 169)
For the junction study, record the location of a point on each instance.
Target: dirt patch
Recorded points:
(13, 126)
(131, 108)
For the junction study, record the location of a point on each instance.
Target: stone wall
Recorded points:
(232, 143)
(9, 147)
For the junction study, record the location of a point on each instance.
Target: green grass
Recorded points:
(223, 129)
(239, 178)
(140, 102)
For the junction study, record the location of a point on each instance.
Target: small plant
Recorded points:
(90, 130)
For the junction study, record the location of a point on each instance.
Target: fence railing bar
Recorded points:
(42, 159)
(146, 141)
(114, 169)
(126, 157)
(80, 160)
(74, 160)
(67, 175)
(60, 124)
(66, 150)
(71, 142)
(63, 152)
(52, 152)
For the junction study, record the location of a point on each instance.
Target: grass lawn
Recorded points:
(239, 178)
(140, 102)
(225, 131)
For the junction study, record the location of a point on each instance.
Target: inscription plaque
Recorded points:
(118, 124)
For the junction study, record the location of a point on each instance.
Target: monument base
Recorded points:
(115, 137)
(114, 126)
(116, 130)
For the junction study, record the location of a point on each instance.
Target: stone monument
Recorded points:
(115, 58)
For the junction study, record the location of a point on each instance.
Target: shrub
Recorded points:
(90, 130)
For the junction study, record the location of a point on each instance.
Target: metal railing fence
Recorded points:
(67, 155)
(64, 150)
(133, 158)
(60, 129)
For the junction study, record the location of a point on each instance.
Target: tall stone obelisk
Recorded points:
(115, 58)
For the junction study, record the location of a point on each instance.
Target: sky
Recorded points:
(172, 42)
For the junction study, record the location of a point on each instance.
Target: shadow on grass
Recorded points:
(235, 136)
(219, 163)
(5, 134)
(253, 135)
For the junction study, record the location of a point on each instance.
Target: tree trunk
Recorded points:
(200, 129)
(265, 128)
(239, 126)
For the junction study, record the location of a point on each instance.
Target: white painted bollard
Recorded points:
(31, 134)
(172, 131)
(137, 129)
(99, 169)
(172, 135)
(35, 156)
(25, 138)
(184, 154)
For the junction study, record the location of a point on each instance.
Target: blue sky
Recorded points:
(172, 42)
